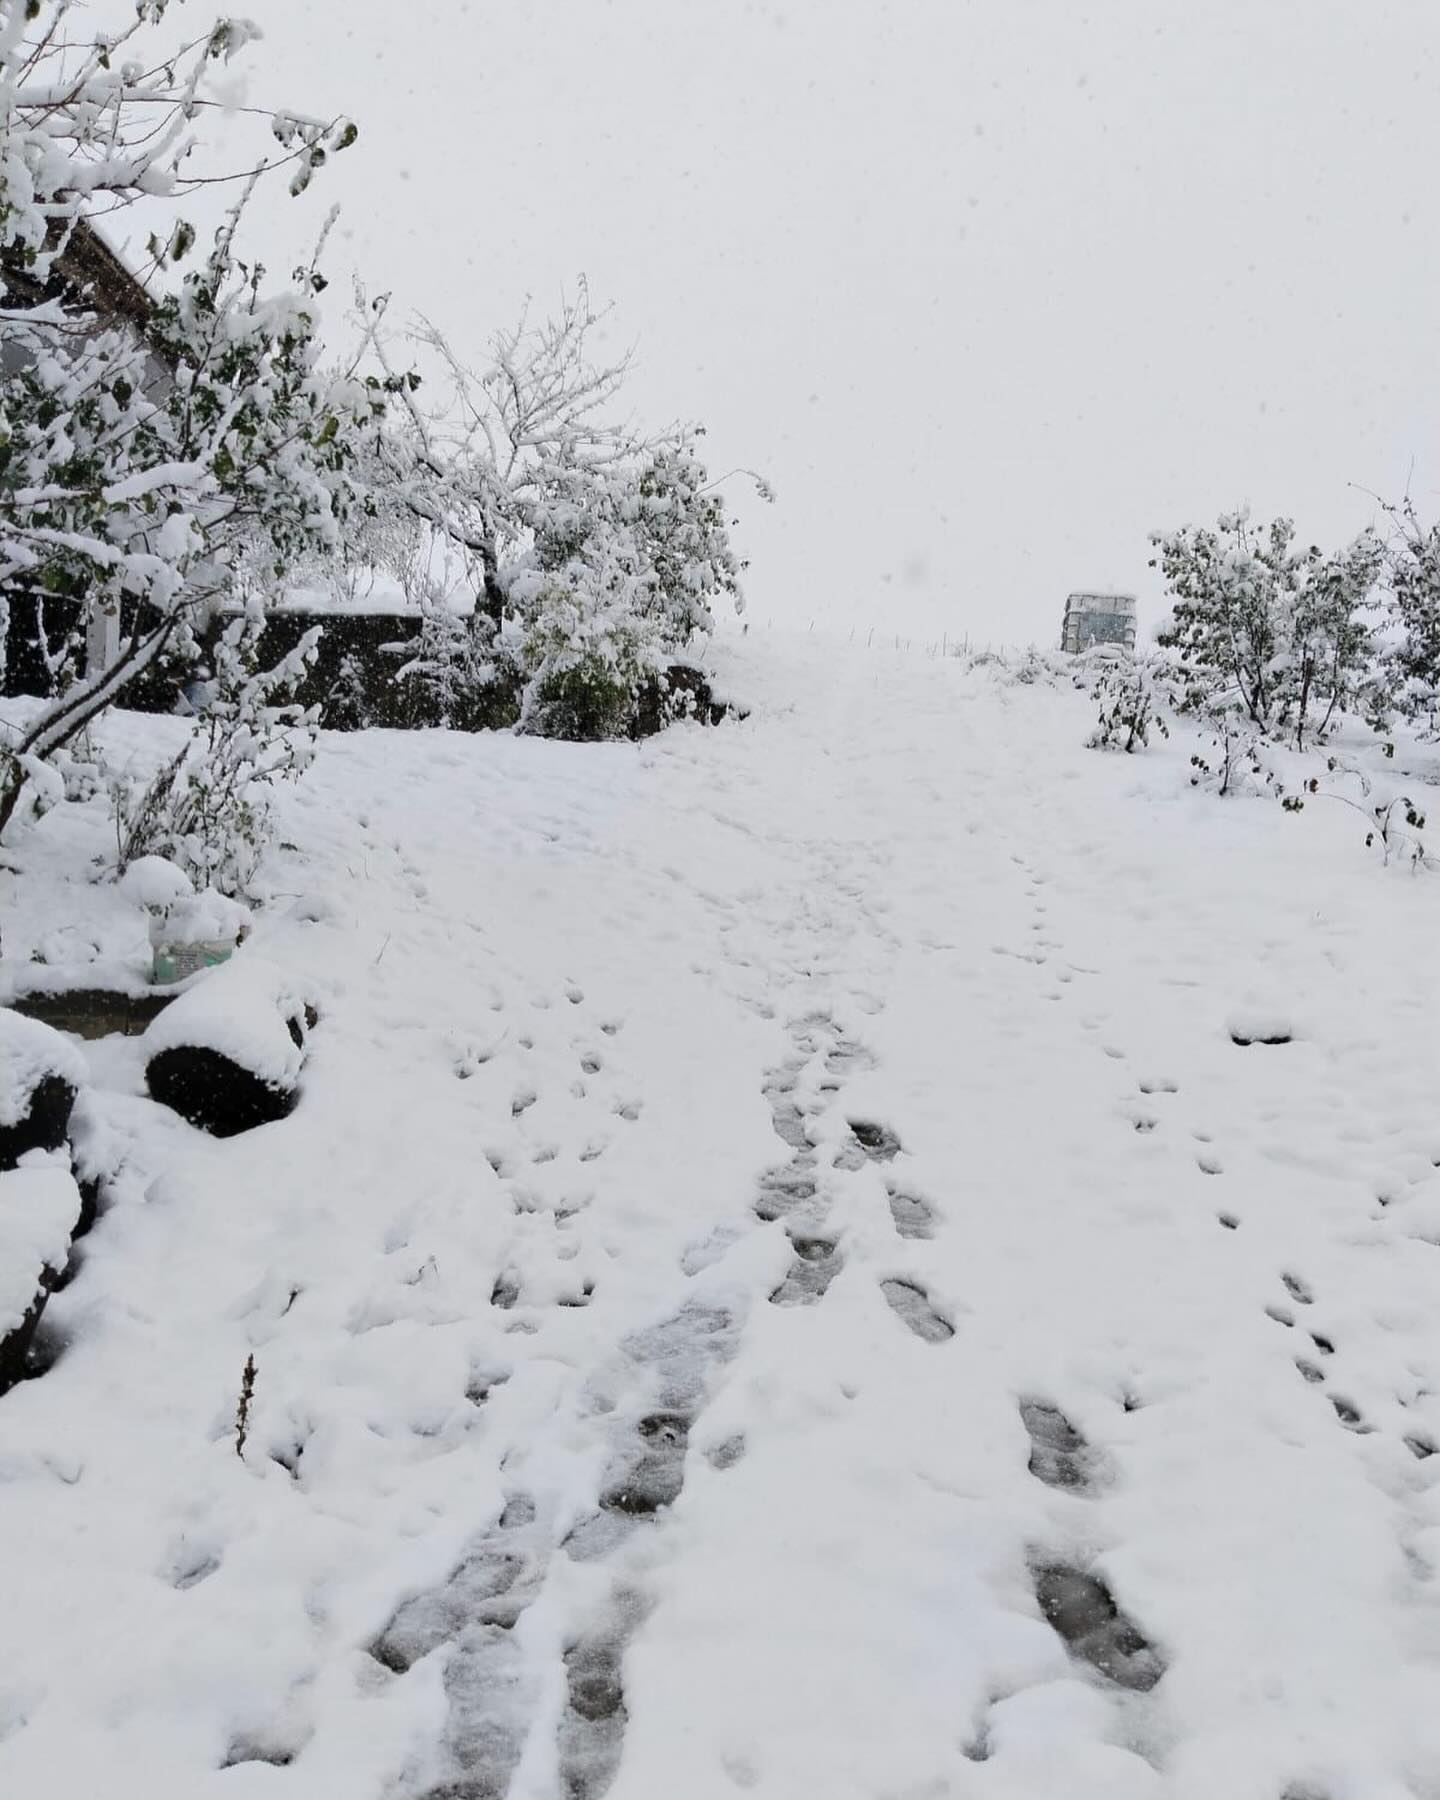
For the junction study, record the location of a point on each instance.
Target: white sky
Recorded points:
(988, 288)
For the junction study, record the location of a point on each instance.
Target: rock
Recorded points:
(39, 1210)
(227, 1054)
(214, 1093)
(40, 1075)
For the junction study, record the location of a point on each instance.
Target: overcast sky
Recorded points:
(988, 288)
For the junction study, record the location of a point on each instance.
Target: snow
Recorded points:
(708, 1147)
(204, 918)
(29, 1053)
(155, 882)
(39, 1204)
(242, 1010)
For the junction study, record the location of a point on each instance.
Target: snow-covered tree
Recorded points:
(1412, 568)
(152, 445)
(595, 553)
(1329, 647)
(1261, 629)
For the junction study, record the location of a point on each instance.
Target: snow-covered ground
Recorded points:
(774, 1213)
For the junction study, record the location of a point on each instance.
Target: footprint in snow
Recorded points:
(591, 1732)
(1083, 1611)
(786, 1190)
(845, 1057)
(656, 1475)
(707, 1251)
(1059, 1453)
(1349, 1415)
(914, 1308)
(785, 1113)
(913, 1216)
(877, 1141)
(191, 1564)
(519, 1510)
(479, 1591)
(1247, 1032)
(278, 1751)
(483, 1383)
(817, 1263)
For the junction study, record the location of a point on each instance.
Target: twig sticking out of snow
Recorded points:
(242, 1411)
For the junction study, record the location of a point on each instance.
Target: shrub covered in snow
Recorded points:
(1412, 661)
(596, 554)
(1265, 630)
(158, 451)
(207, 810)
(1129, 707)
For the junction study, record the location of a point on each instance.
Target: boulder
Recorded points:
(39, 1210)
(227, 1054)
(40, 1075)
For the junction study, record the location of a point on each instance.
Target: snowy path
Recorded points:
(774, 1215)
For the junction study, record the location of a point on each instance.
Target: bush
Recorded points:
(1265, 630)
(208, 809)
(1128, 711)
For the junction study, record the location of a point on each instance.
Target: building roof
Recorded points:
(1123, 604)
(85, 274)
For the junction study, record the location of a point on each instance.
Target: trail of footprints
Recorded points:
(492, 1692)
(1313, 1364)
(790, 1193)
(471, 1616)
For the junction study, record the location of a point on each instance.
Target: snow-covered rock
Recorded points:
(227, 1055)
(39, 1210)
(40, 1075)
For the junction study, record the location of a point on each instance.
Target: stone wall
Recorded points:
(353, 680)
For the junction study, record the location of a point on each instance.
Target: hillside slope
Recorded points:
(786, 1225)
